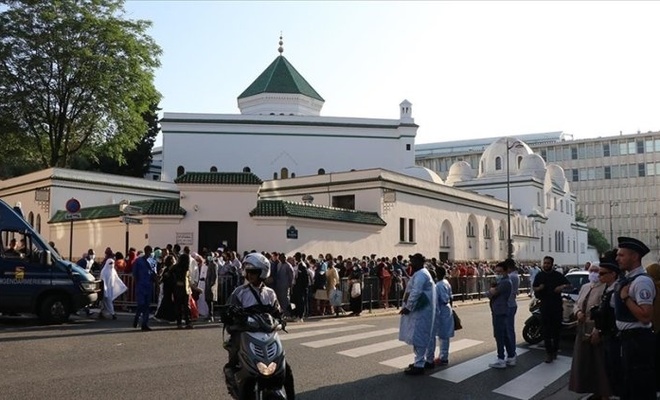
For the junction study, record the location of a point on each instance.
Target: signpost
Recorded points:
(127, 219)
(72, 207)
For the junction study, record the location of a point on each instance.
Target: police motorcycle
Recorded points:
(262, 370)
(533, 329)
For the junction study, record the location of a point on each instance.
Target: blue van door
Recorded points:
(23, 277)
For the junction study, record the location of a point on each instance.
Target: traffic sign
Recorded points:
(72, 216)
(131, 210)
(131, 220)
(72, 206)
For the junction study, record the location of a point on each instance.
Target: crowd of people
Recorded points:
(616, 343)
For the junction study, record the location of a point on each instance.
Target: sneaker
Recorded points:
(429, 365)
(499, 364)
(511, 361)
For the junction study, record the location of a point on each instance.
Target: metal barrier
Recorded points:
(463, 288)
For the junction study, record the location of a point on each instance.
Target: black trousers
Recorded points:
(638, 364)
(181, 305)
(551, 331)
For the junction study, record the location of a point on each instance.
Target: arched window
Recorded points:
(38, 227)
(274, 175)
(519, 161)
(247, 169)
(31, 219)
(284, 173)
(470, 229)
(293, 174)
(214, 169)
(180, 170)
(498, 163)
(321, 171)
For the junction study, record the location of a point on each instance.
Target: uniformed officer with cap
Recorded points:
(633, 307)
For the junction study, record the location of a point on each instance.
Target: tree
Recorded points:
(74, 75)
(137, 160)
(597, 239)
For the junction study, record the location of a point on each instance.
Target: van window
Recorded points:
(16, 244)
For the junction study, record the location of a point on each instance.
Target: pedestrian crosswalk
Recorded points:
(370, 342)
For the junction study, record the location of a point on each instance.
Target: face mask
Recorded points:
(593, 277)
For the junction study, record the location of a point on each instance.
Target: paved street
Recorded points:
(345, 358)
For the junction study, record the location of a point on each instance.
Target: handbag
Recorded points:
(356, 290)
(457, 320)
(336, 298)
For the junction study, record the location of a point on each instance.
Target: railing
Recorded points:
(463, 289)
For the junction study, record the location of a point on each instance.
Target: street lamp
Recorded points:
(612, 204)
(509, 242)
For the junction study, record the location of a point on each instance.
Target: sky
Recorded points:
(471, 69)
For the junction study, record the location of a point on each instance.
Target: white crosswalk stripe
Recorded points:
(458, 345)
(295, 327)
(349, 338)
(468, 369)
(536, 379)
(372, 348)
(327, 331)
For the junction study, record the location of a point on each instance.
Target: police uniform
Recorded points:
(637, 339)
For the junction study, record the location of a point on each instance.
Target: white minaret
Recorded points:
(406, 112)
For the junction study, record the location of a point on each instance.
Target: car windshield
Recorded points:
(576, 281)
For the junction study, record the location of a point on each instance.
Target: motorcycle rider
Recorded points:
(253, 293)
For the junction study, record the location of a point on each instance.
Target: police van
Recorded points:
(34, 279)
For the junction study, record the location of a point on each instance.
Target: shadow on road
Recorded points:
(15, 329)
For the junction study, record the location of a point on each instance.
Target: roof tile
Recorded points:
(282, 208)
(219, 178)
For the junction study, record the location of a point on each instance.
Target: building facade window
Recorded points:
(284, 173)
(180, 170)
(641, 169)
(498, 163)
(247, 169)
(345, 201)
(574, 153)
(575, 175)
(402, 229)
(470, 229)
(214, 169)
(608, 172)
(411, 230)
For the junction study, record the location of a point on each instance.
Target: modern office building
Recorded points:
(616, 178)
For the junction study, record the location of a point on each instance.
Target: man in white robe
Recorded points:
(418, 315)
(113, 287)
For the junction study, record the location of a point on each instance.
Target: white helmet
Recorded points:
(257, 261)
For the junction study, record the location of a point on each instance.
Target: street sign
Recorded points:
(131, 210)
(292, 233)
(131, 220)
(72, 206)
(72, 216)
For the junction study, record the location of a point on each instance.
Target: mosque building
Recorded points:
(279, 176)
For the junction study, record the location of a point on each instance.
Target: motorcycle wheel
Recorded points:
(532, 332)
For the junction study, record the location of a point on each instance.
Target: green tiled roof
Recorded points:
(149, 207)
(219, 178)
(280, 77)
(282, 208)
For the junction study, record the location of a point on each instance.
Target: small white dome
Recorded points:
(532, 164)
(460, 171)
(493, 160)
(423, 173)
(556, 174)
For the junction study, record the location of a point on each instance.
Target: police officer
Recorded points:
(633, 307)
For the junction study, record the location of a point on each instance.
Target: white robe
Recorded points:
(416, 328)
(202, 306)
(112, 285)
